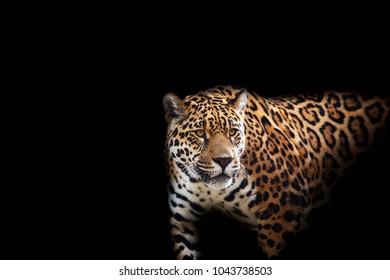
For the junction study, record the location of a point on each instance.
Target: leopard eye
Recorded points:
(200, 133)
(233, 132)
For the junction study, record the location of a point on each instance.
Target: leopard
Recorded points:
(265, 162)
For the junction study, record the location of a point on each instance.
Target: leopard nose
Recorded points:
(223, 161)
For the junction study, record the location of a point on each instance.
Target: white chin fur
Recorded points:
(219, 184)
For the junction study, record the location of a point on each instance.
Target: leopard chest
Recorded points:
(232, 201)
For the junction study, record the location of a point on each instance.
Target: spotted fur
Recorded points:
(266, 162)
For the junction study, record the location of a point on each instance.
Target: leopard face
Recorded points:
(206, 137)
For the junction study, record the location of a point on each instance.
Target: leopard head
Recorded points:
(206, 136)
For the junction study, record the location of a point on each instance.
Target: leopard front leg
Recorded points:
(277, 226)
(184, 235)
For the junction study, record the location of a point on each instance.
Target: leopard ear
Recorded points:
(174, 107)
(239, 102)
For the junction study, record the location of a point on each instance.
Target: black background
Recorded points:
(92, 186)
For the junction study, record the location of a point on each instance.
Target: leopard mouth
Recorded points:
(221, 178)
